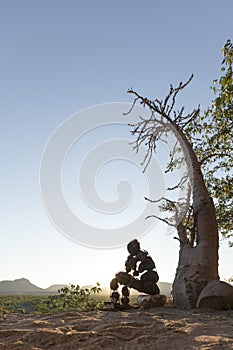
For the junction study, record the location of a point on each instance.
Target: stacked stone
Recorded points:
(114, 285)
(146, 269)
(115, 295)
(139, 274)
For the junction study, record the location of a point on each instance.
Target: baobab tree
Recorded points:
(207, 148)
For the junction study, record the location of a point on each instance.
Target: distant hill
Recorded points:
(24, 286)
(54, 288)
(19, 286)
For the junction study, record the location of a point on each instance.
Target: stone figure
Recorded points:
(140, 274)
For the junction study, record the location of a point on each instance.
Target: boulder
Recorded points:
(216, 295)
(150, 301)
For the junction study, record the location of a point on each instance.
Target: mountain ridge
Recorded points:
(24, 286)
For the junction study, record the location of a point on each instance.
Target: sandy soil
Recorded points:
(160, 328)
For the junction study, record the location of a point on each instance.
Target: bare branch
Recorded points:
(181, 182)
(161, 219)
(190, 117)
(132, 107)
(173, 203)
(173, 93)
(177, 239)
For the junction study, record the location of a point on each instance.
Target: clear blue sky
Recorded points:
(58, 57)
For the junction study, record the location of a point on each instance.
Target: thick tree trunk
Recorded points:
(196, 267)
(197, 264)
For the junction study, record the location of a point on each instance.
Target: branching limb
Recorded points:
(159, 106)
(220, 155)
(180, 184)
(172, 207)
(161, 219)
(183, 121)
(175, 92)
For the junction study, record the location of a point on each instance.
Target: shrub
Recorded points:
(76, 298)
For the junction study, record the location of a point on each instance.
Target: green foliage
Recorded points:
(74, 297)
(25, 304)
(68, 298)
(211, 137)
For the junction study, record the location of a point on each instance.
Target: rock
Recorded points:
(128, 280)
(133, 247)
(150, 301)
(144, 286)
(146, 265)
(137, 284)
(114, 284)
(125, 300)
(149, 288)
(135, 273)
(151, 276)
(131, 263)
(115, 297)
(125, 291)
(125, 279)
(216, 295)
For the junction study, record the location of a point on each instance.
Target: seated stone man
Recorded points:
(140, 274)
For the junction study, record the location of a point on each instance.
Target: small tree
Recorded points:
(207, 147)
(76, 298)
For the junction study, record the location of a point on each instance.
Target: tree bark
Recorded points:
(197, 264)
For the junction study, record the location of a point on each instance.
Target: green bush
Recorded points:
(76, 298)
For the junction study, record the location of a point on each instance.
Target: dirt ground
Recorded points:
(158, 328)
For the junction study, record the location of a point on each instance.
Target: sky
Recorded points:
(60, 58)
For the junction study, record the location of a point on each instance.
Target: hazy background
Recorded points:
(58, 57)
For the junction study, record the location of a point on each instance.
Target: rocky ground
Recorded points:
(158, 328)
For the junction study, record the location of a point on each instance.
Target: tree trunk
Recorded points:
(197, 264)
